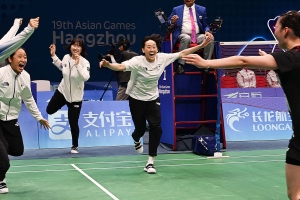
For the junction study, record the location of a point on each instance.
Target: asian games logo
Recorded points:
(271, 24)
(60, 129)
(235, 116)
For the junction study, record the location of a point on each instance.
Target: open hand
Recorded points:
(261, 52)
(207, 40)
(44, 123)
(195, 59)
(103, 63)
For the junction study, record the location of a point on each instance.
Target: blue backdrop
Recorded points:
(104, 22)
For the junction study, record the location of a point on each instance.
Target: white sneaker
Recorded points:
(3, 188)
(74, 150)
(150, 169)
(138, 147)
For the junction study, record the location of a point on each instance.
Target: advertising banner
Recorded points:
(105, 123)
(255, 114)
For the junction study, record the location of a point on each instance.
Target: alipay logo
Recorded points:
(236, 115)
(60, 129)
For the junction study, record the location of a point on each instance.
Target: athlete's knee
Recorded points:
(185, 37)
(18, 152)
(138, 132)
(211, 45)
(50, 111)
(155, 125)
(156, 129)
(4, 166)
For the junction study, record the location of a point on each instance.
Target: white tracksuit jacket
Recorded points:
(74, 76)
(10, 43)
(12, 32)
(246, 78)
(272, 79)
(9, 35)
(14, 88)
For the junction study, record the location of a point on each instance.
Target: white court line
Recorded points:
(139, 161)
(133, 167)
(95, 182)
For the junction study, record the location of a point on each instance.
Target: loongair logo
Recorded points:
(232, 95)
(60, 129)
(235, 115)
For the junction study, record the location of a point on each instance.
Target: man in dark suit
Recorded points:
(191, 27)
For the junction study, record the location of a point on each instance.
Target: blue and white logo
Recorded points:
(60, 129)
(245, 94)
(235, 116)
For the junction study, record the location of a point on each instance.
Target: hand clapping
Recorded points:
(76, 58)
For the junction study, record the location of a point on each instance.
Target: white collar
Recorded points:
(193, 7)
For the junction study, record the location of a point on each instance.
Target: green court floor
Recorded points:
(244, 175)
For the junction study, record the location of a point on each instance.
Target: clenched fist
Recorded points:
(34, 23)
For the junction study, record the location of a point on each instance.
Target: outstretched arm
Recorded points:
(45, 124)
(10, 46)
(257, 62)
(112, 66)
(55, 60)
(12, 31)
(261, 52)
(32, 107)
(205, 42)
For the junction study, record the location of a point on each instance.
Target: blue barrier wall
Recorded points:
(105, 123)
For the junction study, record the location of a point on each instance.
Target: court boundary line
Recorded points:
(95, 182)
(140, 161)
(133, 167)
